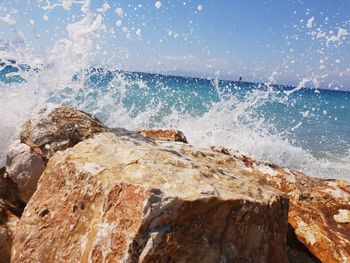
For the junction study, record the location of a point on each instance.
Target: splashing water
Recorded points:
(290, 126)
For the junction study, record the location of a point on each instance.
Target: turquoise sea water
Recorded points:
(317, 120)
(55, 53)
(304, 129)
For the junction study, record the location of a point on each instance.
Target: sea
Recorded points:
(303, 129)
(299, 127)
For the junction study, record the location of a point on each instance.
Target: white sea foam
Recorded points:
(53, 72)
(342, 33)
(158, 4)
(104, 7)
(311, 22)
(119, 11)
(8, 20)
(119, 23)
(138, 33)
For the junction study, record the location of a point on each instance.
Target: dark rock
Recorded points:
(164, 135)
(62, 128)
(8, 221)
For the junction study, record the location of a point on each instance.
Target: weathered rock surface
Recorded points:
(297, 252)
(164, 135)
(319, 208)
(24, 167)
(9, 216)
(121, 199)
(313, 215)
(40, 139)
(62, 128)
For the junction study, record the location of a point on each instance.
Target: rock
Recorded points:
(220, 150)
(318, 212)
(297, 252)
(343, 216)
(164, 135)
(8, 221)
(11, 209)
(24, 167)
(9, 190)
(40, 139)
(122, 199)
(62, 128)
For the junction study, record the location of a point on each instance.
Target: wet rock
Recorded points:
(121, 199)
(164, 135)
(9, 216)
(41, 138)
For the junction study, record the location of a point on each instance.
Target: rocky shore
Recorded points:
(74, 190)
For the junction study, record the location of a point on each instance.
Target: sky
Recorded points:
(277, 41)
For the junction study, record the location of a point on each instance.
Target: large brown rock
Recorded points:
(319, 210)
(41, 138)
(121, 199)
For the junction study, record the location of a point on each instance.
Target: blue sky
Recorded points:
(283, 41)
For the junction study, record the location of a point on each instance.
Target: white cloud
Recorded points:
(192, 63)
(179, 58)
(215, 62)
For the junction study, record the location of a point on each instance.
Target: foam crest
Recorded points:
(39, 75)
